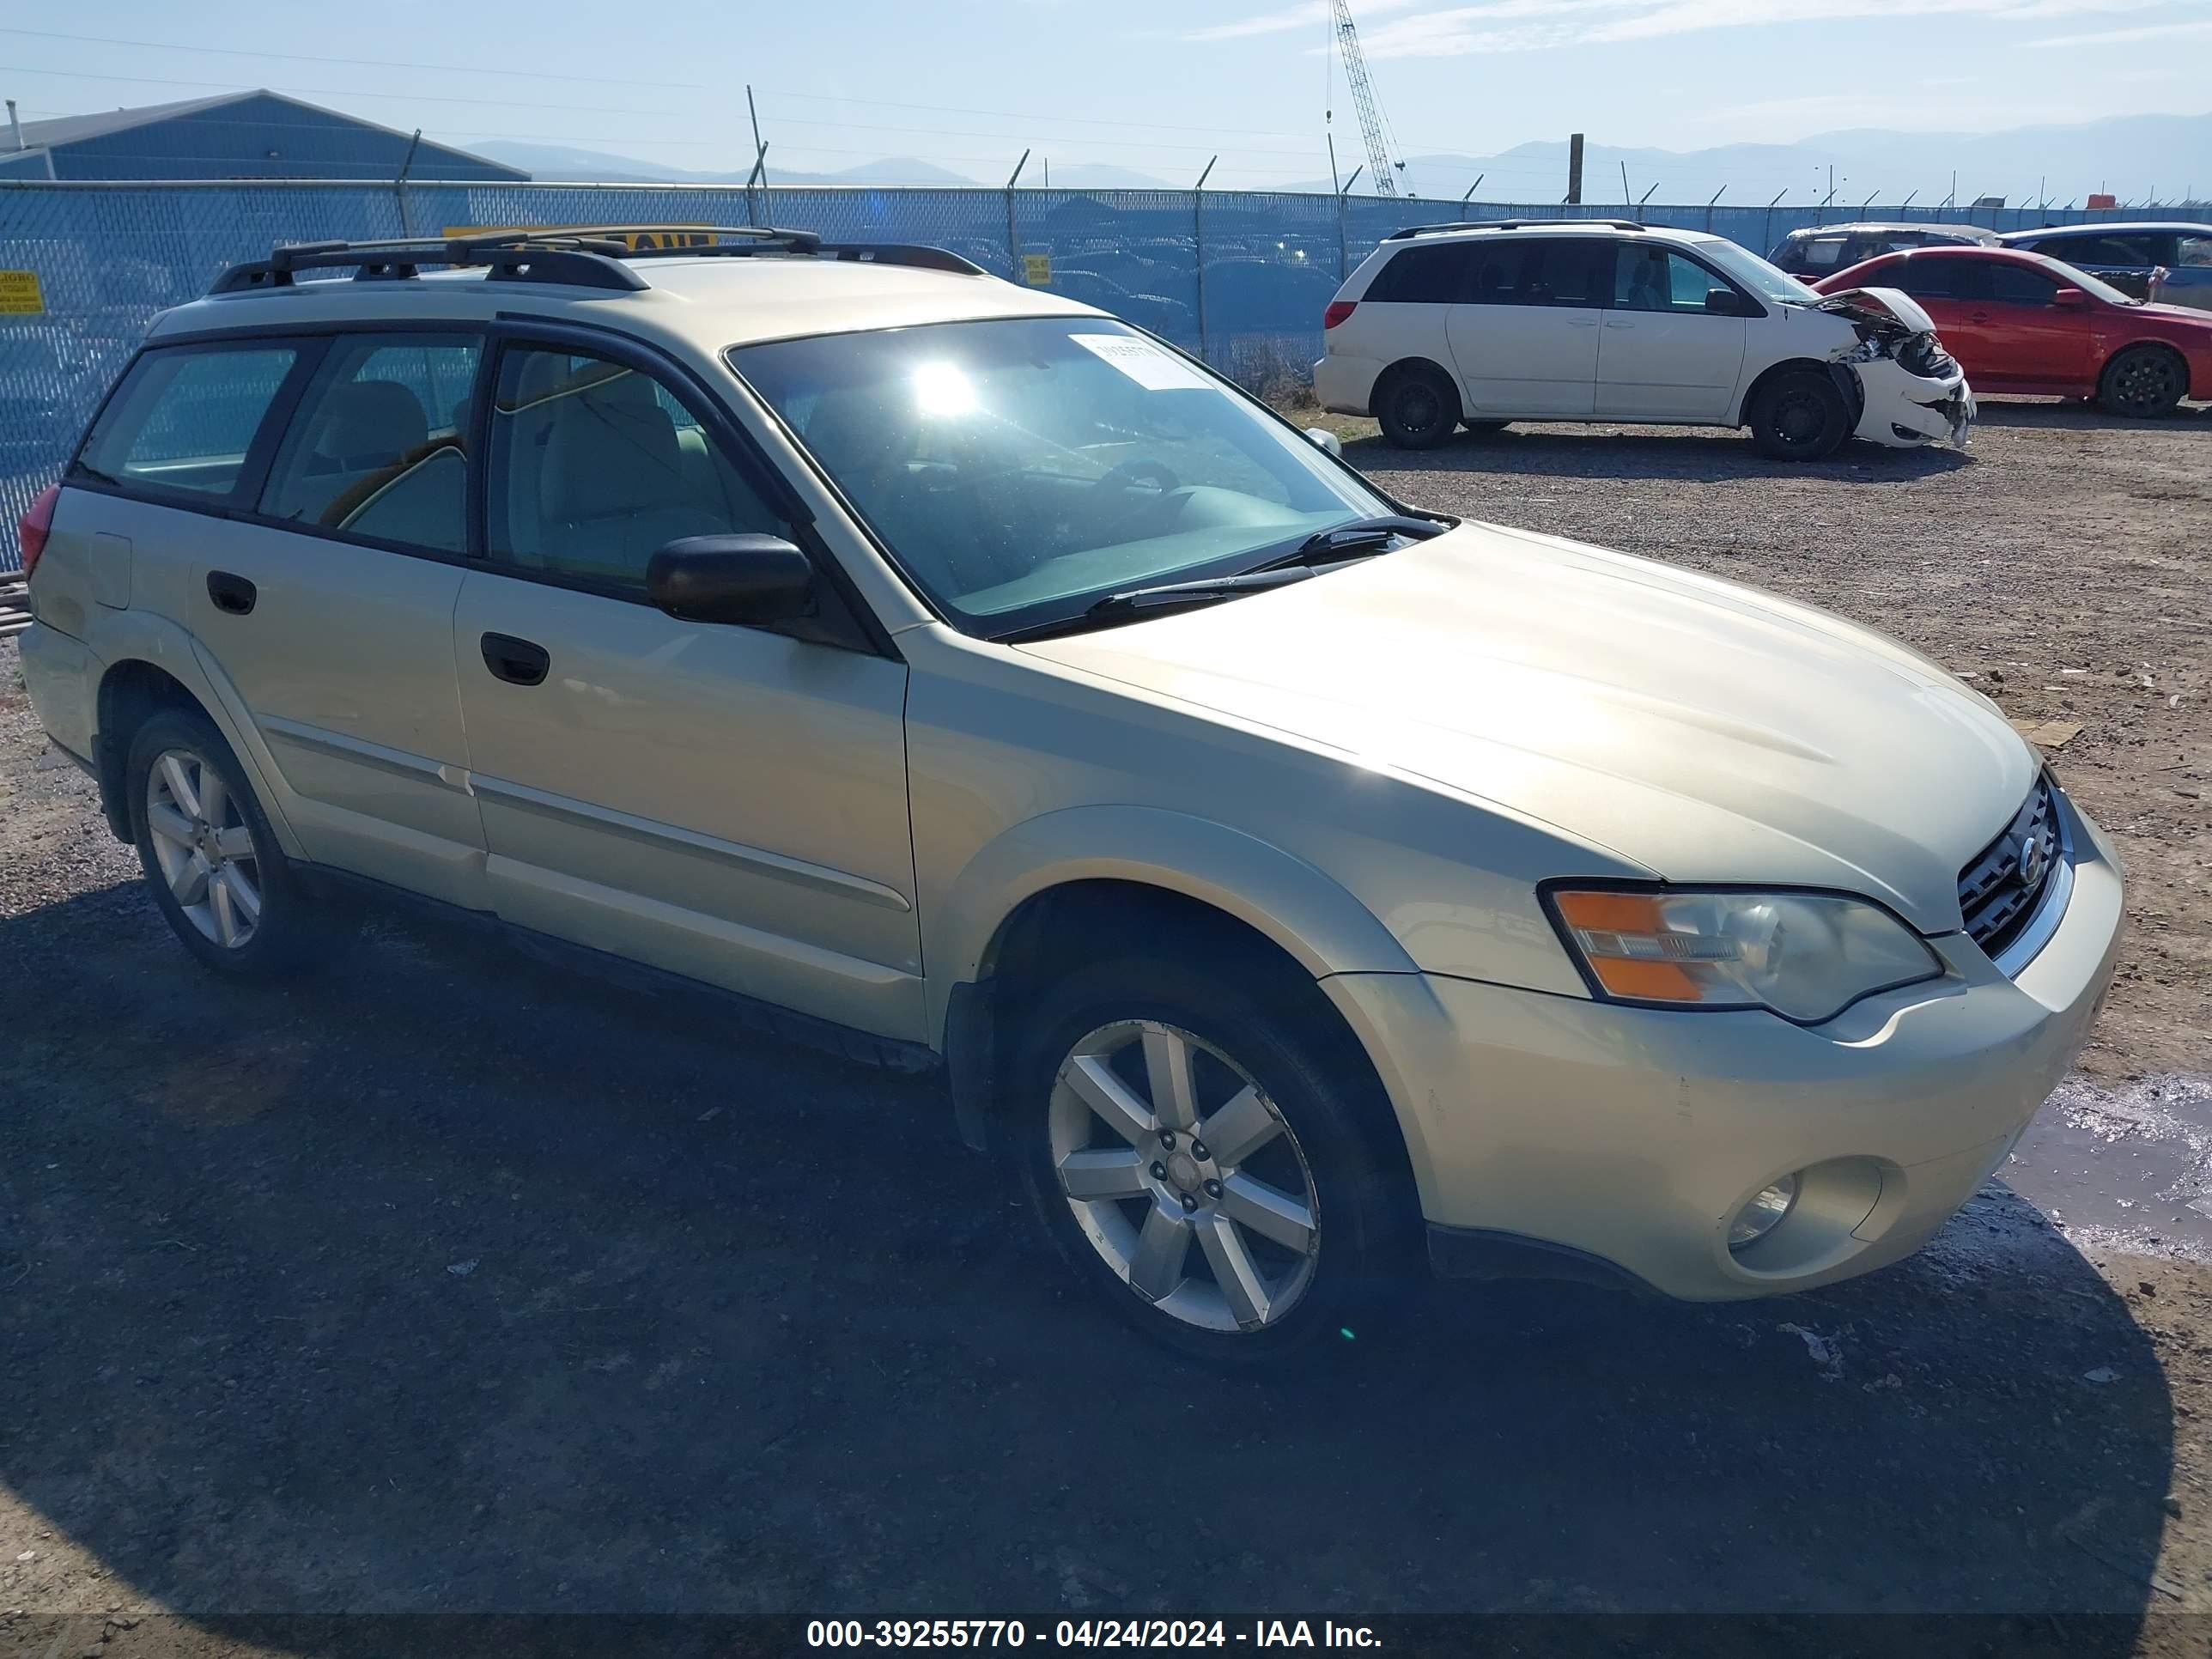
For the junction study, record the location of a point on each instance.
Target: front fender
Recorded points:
(1317, 922)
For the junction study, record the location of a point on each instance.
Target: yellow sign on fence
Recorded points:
(1036, 270)
(19, 295)
(660, 236)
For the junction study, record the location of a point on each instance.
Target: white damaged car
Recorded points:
(1479, 324)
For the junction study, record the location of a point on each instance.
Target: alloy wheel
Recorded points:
(2145, 383)
(204, 848)
(1163, 1143)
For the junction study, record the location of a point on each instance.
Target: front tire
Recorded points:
(2142, 383)
(211, 858)
(1799, 416)
(1205, 1157)
(1417, 406)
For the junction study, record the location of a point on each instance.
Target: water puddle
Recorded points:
(2127, 1168)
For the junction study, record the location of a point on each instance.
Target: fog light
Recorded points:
(1763, 1214)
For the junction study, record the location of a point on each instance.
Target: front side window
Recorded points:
(595, 466)
(2017, 285)
(1646, 278)
(2195, 251)
(184, 418)
(378, 445)
(1019, 469)
(2136, 253)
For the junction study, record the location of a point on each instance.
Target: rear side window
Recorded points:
(377, 446)
(183, 419)
(1436, 276)
(1931, 276)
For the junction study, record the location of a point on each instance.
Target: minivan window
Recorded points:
(377, 446)
(1435, 275)
(2134, 251)
(184, 418)
(595, 466)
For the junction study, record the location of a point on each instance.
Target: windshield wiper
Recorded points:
(1159, 596)
(1359, 535)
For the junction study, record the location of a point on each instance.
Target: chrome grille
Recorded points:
(1998, 891)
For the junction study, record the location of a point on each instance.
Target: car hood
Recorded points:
(1699, 730)
(1879, 304)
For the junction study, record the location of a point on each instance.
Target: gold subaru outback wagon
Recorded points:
(1292, 882)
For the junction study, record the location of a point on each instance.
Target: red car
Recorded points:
(2027, 323)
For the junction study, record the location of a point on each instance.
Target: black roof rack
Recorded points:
(589, 256)
(1507, 224)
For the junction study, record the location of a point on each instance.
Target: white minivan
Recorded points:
(1479, 324)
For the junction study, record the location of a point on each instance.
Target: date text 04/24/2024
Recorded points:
(1085, 1633)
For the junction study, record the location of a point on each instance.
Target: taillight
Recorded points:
(1337, 311)
(35, 526)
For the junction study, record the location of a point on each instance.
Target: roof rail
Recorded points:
(586, 256)
(1507, 224)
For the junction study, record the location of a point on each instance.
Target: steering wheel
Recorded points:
(1136, 472)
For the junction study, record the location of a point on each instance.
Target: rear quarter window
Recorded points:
(183, 419)
(1436, 276)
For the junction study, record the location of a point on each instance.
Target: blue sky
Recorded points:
(1156, 85)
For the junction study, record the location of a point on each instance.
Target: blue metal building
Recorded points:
(237, 135)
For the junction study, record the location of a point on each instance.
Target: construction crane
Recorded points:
(1380, 167)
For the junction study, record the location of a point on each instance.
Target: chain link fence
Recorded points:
(1239, 278)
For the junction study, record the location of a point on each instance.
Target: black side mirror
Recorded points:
(730, 579)
(1724, 302)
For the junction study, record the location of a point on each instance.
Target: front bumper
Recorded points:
(1905, 410)
(1630, 1136)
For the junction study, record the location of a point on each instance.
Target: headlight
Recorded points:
(1806, 956)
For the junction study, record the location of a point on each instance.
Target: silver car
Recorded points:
(1290, 882)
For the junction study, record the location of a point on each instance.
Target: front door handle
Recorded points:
(519, 662)
(1620, 325)
(231, 594)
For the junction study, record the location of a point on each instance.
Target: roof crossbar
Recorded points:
(583, 255)
(1508, 224)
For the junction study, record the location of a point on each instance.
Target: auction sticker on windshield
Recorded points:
(1142, 362)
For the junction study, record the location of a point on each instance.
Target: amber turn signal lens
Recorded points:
(1622, 937)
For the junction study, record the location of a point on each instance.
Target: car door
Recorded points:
(1942, 283)
(323, 605)
(2024, 337)
(1524, 334)
(1663, 355)
(725, 802)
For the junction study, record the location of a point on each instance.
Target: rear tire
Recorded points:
(212, 861)
(1293, 1227)
(1417, 406)
(1799, 416)
(2142, 383)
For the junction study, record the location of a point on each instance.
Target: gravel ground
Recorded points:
(440, 1282)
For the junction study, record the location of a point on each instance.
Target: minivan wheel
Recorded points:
(2142, 383)
(1417, 406)
(209, 853)
(1206, 1161)
(1799, 416)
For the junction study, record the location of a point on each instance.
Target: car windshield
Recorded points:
(1756, 273)
(1018, 470)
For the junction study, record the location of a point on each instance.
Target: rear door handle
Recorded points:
(231, 594)
(519, 662)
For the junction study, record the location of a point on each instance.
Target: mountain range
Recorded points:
(2136, 155)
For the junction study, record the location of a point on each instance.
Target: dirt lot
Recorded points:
(439, 1283)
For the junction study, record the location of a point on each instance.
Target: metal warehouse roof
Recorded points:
(65, 132)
